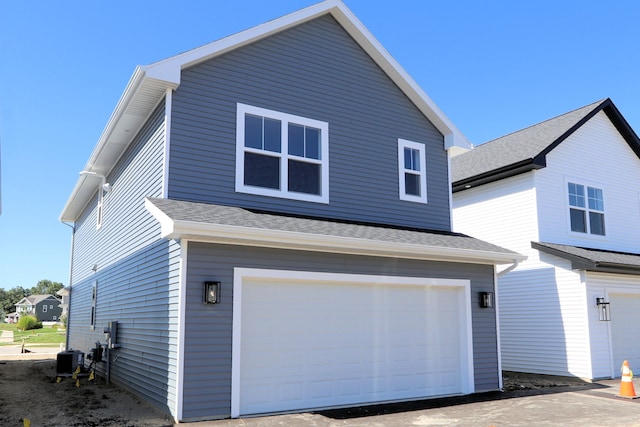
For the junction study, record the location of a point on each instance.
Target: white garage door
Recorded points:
(344, 340)
(625, 334)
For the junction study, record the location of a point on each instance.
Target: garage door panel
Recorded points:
(625, 336)
(322, 344)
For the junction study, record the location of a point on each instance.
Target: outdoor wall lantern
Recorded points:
(486, 299)
(211, 292)
(604, 314)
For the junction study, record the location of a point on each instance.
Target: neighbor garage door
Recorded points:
(625, 334)
(309, 340)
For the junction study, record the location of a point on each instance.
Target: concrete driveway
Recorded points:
(593, 404)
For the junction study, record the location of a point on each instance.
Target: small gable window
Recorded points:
(412, 171)
(586, 209)
(281, 155)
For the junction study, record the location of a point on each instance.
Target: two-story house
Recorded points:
(267, 217)
(563, 192)
(45, 307)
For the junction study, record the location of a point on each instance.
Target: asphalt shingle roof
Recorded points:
(240, 217)
(517, 147)
(592, 259)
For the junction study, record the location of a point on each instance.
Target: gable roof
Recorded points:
(232, 225)
(598, 260)
(35, 299)
(526, 150)
(149, 84)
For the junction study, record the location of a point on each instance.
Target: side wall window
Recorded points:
(586, 209)
(94, 297)
(281, 155)
(412, 176)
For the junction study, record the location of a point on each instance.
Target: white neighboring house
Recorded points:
(565, 193)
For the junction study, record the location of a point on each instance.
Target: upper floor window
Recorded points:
(412, 171)
(44, 308)
(586, 209)
(281, 155)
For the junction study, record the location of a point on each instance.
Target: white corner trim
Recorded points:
(167, 142)
(182, 298)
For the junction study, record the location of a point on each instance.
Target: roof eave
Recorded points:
(499, 174)
(141, 96)
(260, 237)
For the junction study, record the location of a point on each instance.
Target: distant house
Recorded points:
(64, 304)
(45, 307)
(12, 317)
(565, 192)
(267, 218)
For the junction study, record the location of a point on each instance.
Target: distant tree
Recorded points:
(46, 287)
(8, 299)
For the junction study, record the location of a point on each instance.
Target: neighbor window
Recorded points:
(412, 171)
(44, 308)
(586, 209)
(281, 155)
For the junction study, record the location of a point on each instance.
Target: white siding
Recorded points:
(503, 213)
(597, 155)
(548, 317)
(542, 320)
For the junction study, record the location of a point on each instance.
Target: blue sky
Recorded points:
(493, 67)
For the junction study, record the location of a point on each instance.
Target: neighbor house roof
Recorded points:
(234, 225)
(149, 84)
(35, 299)
(598, 260)
(526, 149)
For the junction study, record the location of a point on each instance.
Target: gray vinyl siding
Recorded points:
(137, 275)
(208, 328)
(47, 316)
(315, 70)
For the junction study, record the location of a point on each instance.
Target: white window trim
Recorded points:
(402, 144)
(586, 209)
(285, 119)
(44, 308)
(100, 209)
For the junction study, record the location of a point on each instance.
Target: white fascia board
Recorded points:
(120, 130)
(170, 68)
(453, 137)
(250, 236)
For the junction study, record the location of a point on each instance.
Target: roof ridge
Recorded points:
(593, 104)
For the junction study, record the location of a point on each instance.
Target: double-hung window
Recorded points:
(586, 209)
(412, 171)
(281, 155)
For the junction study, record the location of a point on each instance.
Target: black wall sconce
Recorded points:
(211, 292)
(604, 313)
(486, 299)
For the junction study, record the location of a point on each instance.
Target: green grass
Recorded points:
(46, 335)
(8, 326)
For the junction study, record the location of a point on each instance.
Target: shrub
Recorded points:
(29, 322)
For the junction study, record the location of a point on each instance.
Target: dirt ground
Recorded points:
(514, 381)
(29, 391)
